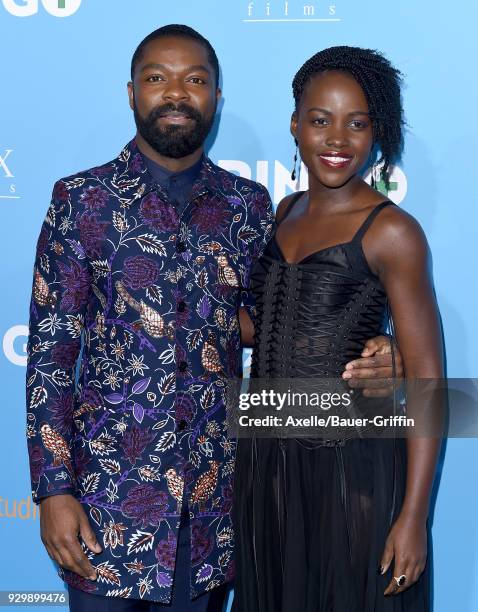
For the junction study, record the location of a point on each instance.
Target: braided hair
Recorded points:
(380, 82)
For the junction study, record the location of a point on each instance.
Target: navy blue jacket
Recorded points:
(133, 331)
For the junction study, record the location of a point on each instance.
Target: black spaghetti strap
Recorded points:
(293, 200)
(369, 220)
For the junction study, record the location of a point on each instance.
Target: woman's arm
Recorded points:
(397, 248)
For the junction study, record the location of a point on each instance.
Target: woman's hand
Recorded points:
(406, 546)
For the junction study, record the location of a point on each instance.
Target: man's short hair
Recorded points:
(179, 31)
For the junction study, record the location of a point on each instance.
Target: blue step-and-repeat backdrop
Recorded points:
(64, 108)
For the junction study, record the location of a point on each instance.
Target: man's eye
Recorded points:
(154, 78)
(197, 81)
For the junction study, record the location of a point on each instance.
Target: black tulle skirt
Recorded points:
(311, 524)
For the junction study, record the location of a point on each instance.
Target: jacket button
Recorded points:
(181, 425)
(181, 306)
(181, 247)
(183, 366)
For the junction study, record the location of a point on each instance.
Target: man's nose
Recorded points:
(175, 91)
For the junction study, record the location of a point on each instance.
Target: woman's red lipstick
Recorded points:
(334, 159)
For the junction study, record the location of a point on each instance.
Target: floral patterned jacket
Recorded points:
(133, 331)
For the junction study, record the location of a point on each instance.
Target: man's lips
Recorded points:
(175, 117)
(333, 159)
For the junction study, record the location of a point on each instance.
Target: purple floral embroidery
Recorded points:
(185, 407)
(164, 580)
(140, 272)
(180, 355)
(92, 233)
(158, 214)
(134, 441)
(204, 307)
(80, 583)
(42, 242)
(225, 291)
(204, 573)
(65, 355)
(136, 164)
(211, 216)
(37, 459)
(144, 302)
(94, 198)
(201, 543)
(76, 286)
(227, 181)
(81, 460)
(60, 192)
(166, 551)
(145, 504)
(259, 204)
(62, 408)
(234, 200)
(102, 170)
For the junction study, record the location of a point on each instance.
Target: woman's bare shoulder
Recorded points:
(284, 205)
(396, 231)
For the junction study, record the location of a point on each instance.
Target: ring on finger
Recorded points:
(400, 580)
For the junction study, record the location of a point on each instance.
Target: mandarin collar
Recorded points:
(162, 174)
(134, 166)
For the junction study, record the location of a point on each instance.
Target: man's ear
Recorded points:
(131, 94)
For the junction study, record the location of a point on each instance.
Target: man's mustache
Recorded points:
(184, 109)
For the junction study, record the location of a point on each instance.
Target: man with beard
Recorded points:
(139, 272)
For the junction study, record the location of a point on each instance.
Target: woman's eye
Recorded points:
(358, 124)
(320, 121)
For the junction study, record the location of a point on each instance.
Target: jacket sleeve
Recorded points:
(61, 285)
(265, 223)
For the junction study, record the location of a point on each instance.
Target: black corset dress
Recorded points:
(311, 520)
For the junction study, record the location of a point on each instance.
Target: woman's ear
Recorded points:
(293, 126)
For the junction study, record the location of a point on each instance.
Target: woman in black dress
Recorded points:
(339, 526)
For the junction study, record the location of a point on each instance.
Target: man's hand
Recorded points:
(62, 520)
(374, 371)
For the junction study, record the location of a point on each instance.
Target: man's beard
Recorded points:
(174, 141)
